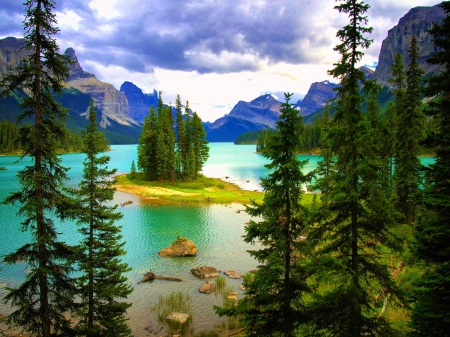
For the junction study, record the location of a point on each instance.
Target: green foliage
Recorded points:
(409, 131)
(353, 223)
(274, 304)
(250, 137)
(169, 150)
(102, 282)
(431, 313)
(133, 170)
(43, 301)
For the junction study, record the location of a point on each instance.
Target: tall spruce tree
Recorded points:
(102, 282)
(431, 313)
(410, 121)
(274, 305)
(353, 229)
(199, 144)
(147, 146)
(42, 301)
(181, 138)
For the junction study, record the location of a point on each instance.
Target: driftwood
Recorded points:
(151, 276)
(383, 291)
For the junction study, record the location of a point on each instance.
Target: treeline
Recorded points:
(10, 140)
(172, 147)
(376, 236)
(311, 135)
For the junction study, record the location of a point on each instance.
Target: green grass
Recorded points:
(206, 190)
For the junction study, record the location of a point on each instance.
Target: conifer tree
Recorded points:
(199, 144)
(102, 282)
(354, 225)
(410, 120)
(44, 298)
(274, 305)
(431, 313)
(181, 138)
(147, 146)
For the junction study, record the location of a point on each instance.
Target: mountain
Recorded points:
(245, 116)
(415, 23)
(318, 94)
(138, 102)
(112, 103)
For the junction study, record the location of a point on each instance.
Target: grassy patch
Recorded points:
(202, 190)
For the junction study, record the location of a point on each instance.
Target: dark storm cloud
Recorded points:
(194, 35)
(206, 36)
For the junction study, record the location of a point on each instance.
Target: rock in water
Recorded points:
(232, 274)
(180, 247)
(207, 288)
(178, 317)
(205, 272)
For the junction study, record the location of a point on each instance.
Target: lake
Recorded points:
(217, 231)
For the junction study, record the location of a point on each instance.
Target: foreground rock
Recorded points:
(232, 296)
(232, 274)
(207, 288)
(180, 247)
(178, 317)
(205, 272)
(151, 276)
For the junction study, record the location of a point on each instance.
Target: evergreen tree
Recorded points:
(42, 301)
(133, 170)
(353, 228)
(431, 313)
(410, 121)
(274, 305)
(199, 144)
(102, 282)
(147, 146)
(325, 166)
(181, 138)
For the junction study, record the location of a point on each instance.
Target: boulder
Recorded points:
(205, 272)
(180, 247)
(207, 288)
(232, 295)
(178, 317)
(232, 274)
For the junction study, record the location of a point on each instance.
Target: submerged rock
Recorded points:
(178, 317)
(232, 274)
(207, 288)
(205, 272)
(180, 247)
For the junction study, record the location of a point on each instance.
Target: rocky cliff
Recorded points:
(139, 103)
(11, 53)
(111, 102)
(245, 116)
(415, 23)
(318, 94)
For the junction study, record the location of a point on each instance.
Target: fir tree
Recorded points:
(44, 298)
(147, 146)
(274, 305)
(353, 228)
(199, 144)
(181, 138)
(102, 282)
(431, 313)
(410, 122)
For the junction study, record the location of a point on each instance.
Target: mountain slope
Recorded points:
(415, 23)
(245, 116)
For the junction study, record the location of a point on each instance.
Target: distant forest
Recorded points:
(312, 133)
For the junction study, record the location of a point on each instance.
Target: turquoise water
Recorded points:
(216, 229)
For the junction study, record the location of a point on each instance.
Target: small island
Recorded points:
(201, 190)
(181, 246)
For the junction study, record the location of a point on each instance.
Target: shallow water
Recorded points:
(217, 231)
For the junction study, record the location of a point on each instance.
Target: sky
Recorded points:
(213, 53)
